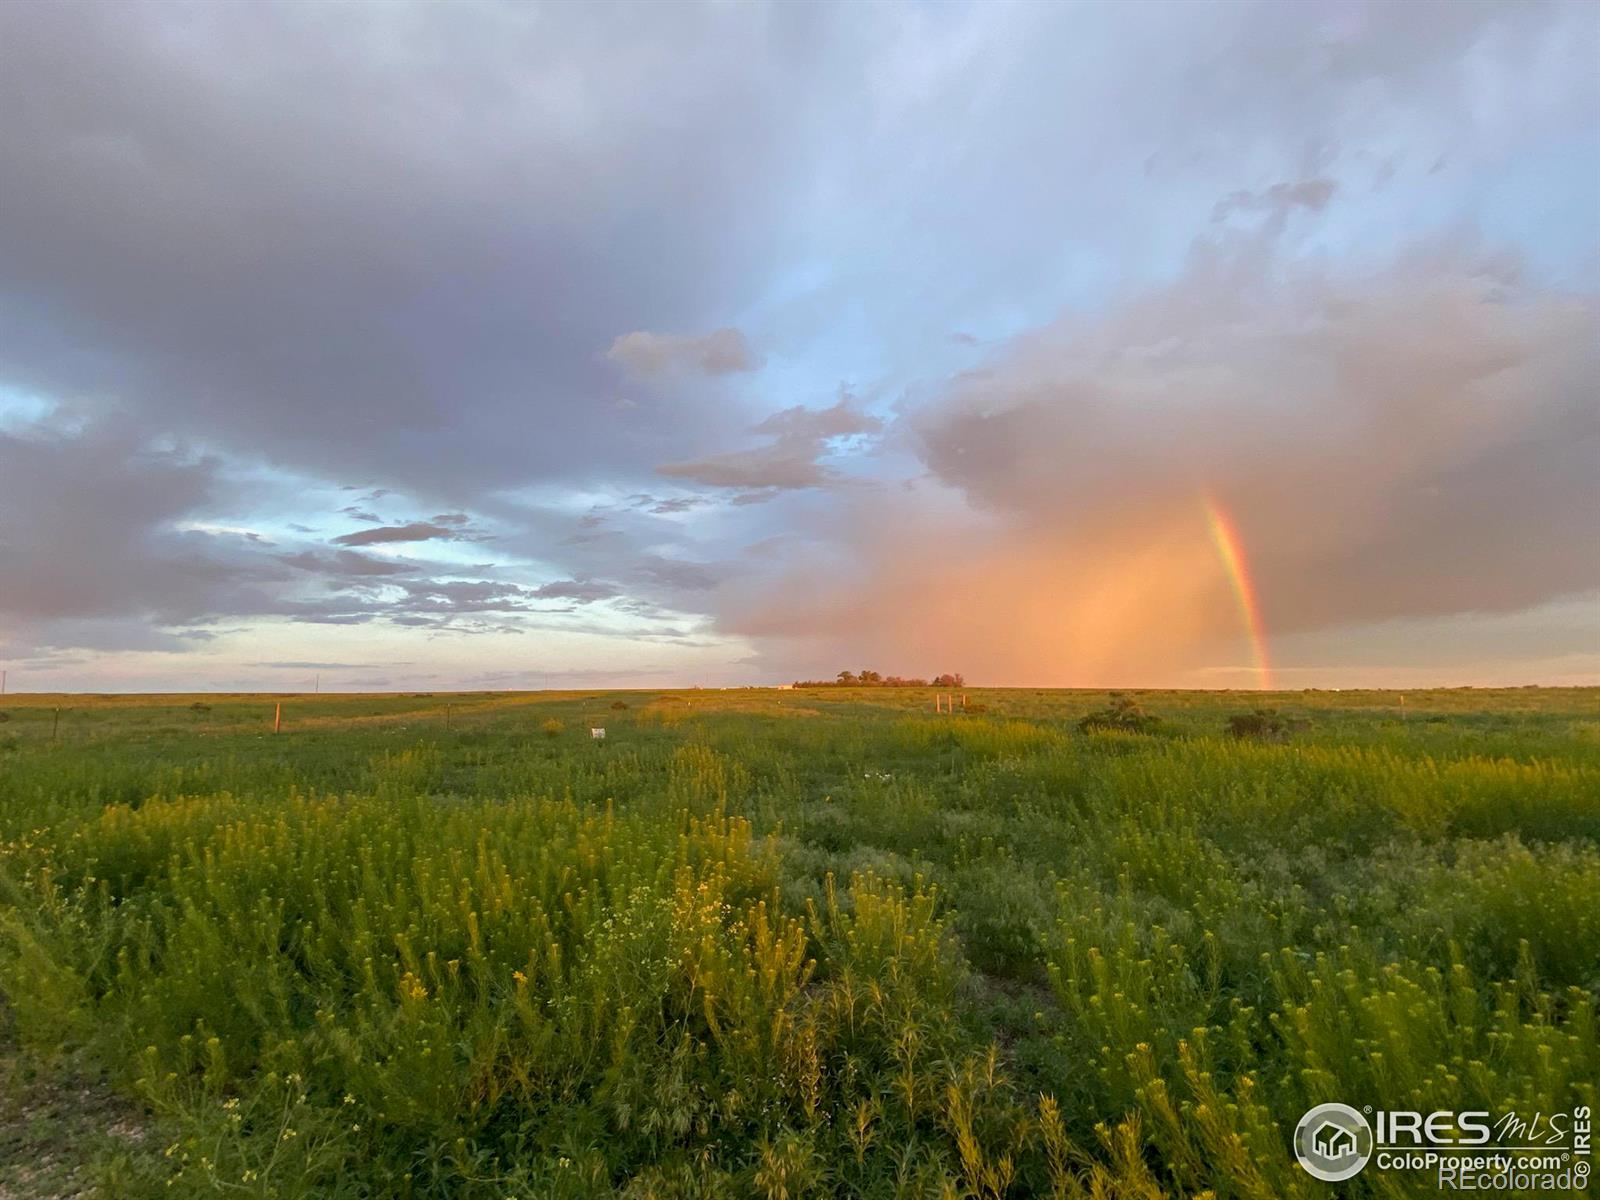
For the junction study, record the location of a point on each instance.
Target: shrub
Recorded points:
(1264, 725)
(552, 728)
(1125, 715)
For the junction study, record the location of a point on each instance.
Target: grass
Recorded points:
(780, 944)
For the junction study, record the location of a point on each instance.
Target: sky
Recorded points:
(481, 345)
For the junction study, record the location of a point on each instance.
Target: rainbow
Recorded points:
(1231, 551)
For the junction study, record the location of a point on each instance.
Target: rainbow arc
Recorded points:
(1230, 548)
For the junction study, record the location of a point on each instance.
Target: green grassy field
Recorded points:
(782, 944)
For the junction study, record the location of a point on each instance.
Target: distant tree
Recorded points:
(847, 678)
(870, 677)
(948, 680)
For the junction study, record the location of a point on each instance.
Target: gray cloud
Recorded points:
(345, 563)
(681, 575)
(462, 595)
(1379, 438)
(1278, 200)
(797, 438)
(321, 666)
(582, 590)
(657, 355)
(88, 529)
(276, 255)
(414, 531)
(142, 571)
(677, 504)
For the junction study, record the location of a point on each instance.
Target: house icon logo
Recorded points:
(1333, 1142)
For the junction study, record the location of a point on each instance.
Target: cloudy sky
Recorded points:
(520, 345)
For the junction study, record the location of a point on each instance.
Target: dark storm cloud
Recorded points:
(385, 240)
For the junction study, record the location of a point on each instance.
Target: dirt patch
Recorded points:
(64, 1134)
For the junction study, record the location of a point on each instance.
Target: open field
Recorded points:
(779, 943)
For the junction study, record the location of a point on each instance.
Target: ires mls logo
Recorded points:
(1510, 1131)
(1333, 1142)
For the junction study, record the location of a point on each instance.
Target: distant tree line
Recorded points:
(873, 679)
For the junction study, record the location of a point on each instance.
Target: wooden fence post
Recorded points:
(277, 716)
